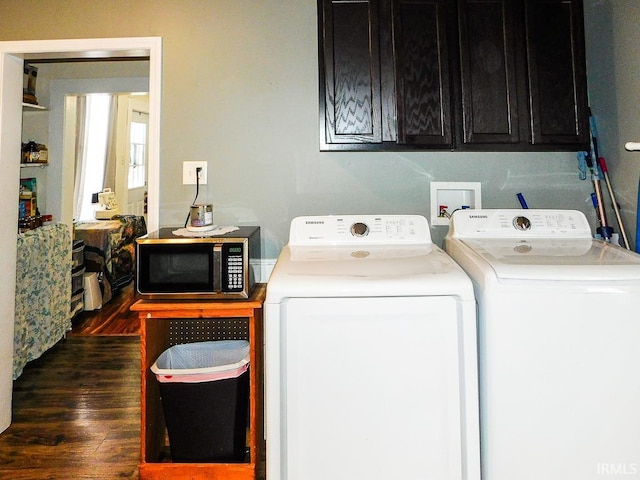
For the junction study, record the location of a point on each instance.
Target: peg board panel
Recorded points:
(188, 330)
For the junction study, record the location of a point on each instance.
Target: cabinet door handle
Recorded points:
(632, 146)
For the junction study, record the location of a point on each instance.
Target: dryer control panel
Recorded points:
(512, 223)
(360, 229)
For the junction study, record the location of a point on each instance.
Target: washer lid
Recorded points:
(366, 271)
(556, 259)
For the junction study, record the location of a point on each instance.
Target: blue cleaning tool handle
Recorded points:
(522, 201)
(582, 165)
(592, 125)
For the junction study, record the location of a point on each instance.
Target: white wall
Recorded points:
(10, 99)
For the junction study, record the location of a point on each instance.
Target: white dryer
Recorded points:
(559, 344)
(370, 354)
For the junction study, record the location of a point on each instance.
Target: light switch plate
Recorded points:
(189, 173)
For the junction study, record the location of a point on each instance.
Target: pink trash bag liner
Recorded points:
(202, 362)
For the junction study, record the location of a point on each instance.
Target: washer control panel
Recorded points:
(359, 229)
(519, 223)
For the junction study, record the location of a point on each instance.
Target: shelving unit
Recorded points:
(34, 172)
(32, 107)
(157, 321)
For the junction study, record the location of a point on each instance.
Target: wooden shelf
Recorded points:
(34, 164)
(155, 318)
(32, 106)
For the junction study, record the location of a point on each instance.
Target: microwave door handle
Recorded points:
(217, 268)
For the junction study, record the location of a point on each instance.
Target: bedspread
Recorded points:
(109, 249)
(43, 292)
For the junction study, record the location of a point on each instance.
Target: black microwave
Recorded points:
(174, 267)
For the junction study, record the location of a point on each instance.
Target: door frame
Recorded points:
(12, 57)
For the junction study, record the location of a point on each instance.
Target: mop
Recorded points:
(591, 160)
(603, 166)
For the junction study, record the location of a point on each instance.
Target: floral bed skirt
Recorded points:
(43, 292)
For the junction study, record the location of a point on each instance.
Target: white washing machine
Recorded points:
(370, 354)
(558, 344)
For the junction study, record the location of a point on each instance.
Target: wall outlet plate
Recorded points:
(189, 173)
(451, 196)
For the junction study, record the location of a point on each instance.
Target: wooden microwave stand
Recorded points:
(155, 317)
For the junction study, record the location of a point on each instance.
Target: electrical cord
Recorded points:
(198, 170)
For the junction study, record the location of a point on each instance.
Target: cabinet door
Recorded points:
(350, 103)
(557, 73)
(494, 109)
(421, 30)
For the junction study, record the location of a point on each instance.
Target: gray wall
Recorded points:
(613, 66)
(240, 90)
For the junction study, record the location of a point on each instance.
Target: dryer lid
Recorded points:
(364, 256)
(366, 271)
(556, 259)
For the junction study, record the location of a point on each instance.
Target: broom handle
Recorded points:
(603, 166)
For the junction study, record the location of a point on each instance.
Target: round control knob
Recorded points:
(359, 229)
(522, 223)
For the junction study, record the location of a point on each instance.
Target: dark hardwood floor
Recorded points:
(76, 413)
(76, 410)
(114, 318)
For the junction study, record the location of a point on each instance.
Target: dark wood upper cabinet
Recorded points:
(420, 30)
(350, 81)
(556, 72)
(495, 75)
(385, 76)
(494, 104)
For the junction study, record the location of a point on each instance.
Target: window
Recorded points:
(138, 150)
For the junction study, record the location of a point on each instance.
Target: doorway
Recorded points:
(13, 54)
(12, 57)
(105, 131)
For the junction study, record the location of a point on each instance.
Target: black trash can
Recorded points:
(205, 396)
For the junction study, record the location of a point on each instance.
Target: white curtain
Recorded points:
(80, 155)
(95, 160)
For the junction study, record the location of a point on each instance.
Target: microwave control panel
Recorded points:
(233, 275)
